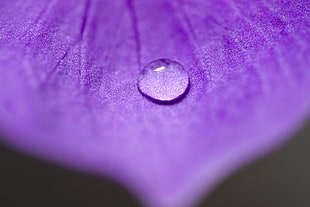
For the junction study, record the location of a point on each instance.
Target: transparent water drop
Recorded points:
(164, 81)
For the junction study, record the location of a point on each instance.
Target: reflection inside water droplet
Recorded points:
(163, 80)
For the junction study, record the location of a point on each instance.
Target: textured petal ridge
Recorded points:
(68, 87)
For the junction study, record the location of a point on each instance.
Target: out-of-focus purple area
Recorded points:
(68, 88)
(279, 179)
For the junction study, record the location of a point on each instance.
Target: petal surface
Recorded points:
(68, 87)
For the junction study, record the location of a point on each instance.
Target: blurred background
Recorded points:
(281, 178)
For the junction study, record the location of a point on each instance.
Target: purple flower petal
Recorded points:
(68, 87)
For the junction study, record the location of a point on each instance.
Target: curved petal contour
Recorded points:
(68, 74)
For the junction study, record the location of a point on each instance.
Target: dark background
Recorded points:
(281, 178)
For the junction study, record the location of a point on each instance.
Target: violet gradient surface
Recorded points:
(68, 74)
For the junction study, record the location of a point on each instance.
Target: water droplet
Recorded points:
(163, 81)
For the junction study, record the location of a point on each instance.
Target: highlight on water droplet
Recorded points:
(164, 81)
